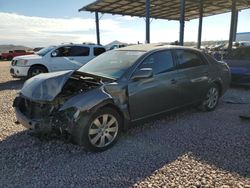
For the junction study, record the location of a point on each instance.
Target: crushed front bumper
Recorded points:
(24, 120)
(39, 118)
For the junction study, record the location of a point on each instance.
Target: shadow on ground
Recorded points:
(12, 85)
(30, 161)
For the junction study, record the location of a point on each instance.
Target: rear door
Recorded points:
(193, 74)
(156, 94)
(80, 55)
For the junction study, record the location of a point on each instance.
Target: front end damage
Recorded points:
(54, 102)
(42, 117)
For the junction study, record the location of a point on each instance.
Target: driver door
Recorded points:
(158, 93)
(63, 58)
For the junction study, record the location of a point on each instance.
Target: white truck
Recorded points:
(54, 58)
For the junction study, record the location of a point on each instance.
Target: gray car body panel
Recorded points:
(134, 99)
(86, 101)
(110, 93)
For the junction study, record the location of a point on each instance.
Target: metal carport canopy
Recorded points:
(169, 10)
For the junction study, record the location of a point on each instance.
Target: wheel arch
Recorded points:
(219, 84)
(39, 65)
(111, 104)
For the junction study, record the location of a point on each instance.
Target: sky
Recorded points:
(49, 22)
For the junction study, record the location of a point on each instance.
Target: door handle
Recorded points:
(173, 81)
(71, 58)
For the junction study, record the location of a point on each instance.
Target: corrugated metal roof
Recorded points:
(164, 9)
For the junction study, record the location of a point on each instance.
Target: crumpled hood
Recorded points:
(28, 57)
(45, 87)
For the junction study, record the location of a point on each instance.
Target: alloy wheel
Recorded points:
(212, 97)
(36, 72)
(103, 130)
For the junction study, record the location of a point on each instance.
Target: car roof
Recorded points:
(153, 46)
(72, 44)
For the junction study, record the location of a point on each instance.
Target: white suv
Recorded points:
(54, 58)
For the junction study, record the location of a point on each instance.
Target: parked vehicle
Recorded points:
(115, 46)
(54, 58)
(95, 103)
(37, 49)
(239, 62)
(241, 43)
(11, 54)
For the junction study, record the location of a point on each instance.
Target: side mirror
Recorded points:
(142, 73)
(54, 54)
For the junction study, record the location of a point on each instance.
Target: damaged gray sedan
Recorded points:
(95, 103)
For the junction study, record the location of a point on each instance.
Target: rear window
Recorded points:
(79, 51)
(98, 51)
(188, 58)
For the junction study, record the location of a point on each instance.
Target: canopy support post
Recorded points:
(182, 22)
(97, 28)
(232, 26)
(236, 24)
(147, 21)
(200, 25)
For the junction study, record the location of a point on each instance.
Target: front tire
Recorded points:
(100, 132)
(35, 70)
(211, 100)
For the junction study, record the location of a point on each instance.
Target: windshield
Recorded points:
(111, 64)
(44, 51)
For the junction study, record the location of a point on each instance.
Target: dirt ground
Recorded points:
(185, 149)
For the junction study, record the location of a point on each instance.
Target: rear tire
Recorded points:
(211, 100)
(35, 70)
(100, 131)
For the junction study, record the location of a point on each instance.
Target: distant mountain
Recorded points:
(9, 47)
(108, 46)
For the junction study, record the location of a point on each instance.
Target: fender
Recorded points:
(87, 101)
(95, 99)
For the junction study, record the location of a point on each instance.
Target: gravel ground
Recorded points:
(187, 149)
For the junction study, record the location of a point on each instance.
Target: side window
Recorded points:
(98, 51)
(188, 59)
(62, 51)
(79, 51)
(159, 62)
